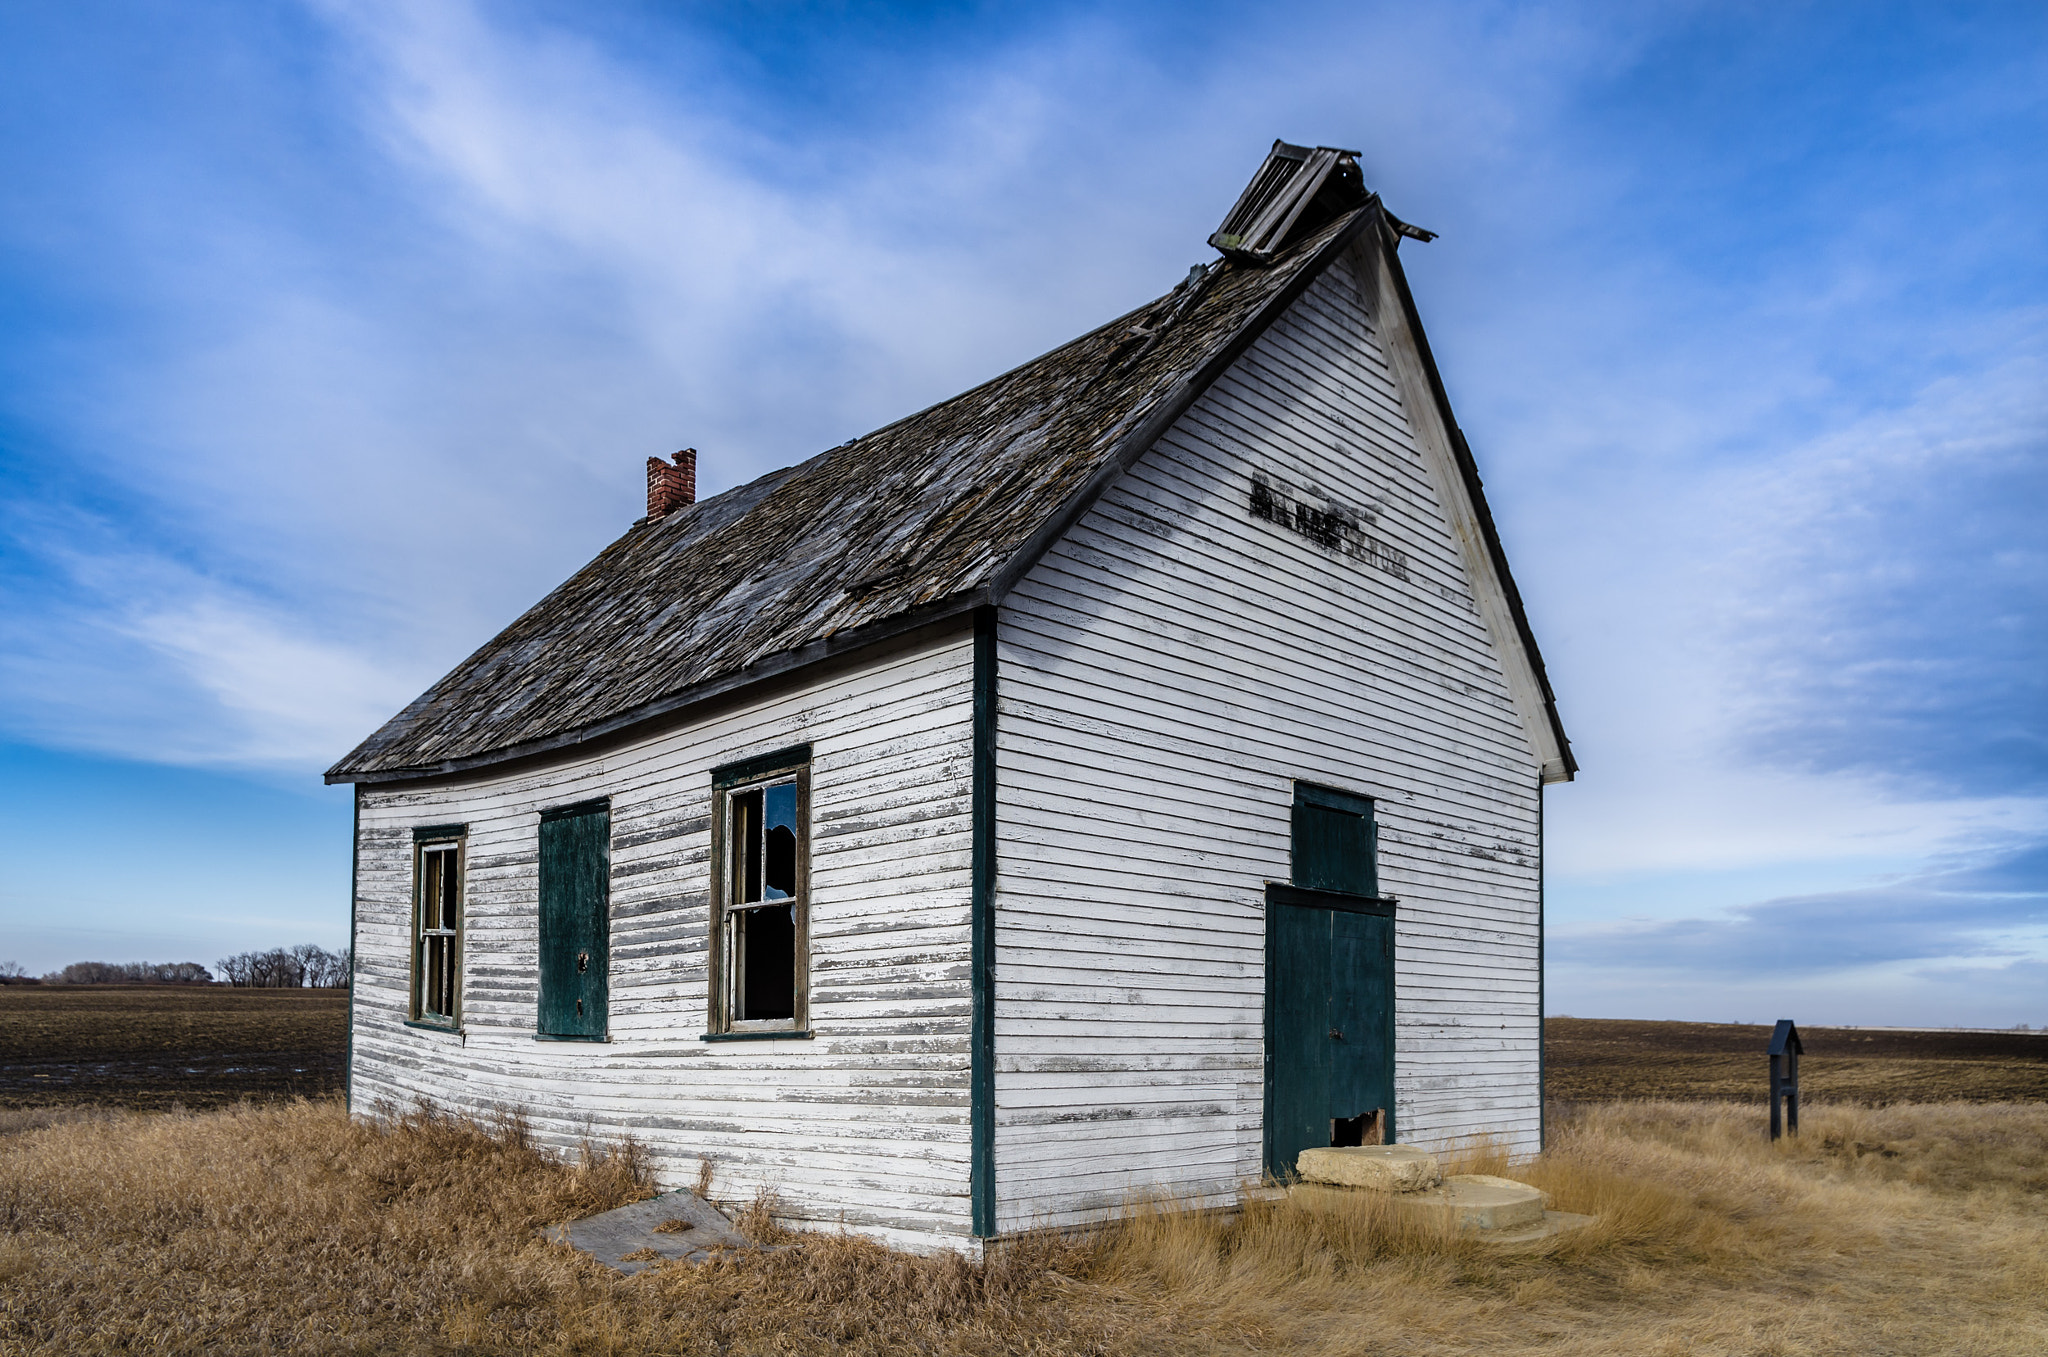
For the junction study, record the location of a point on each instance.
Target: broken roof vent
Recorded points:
(670, 488)
(1297, 190)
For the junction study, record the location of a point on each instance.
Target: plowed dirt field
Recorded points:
(1607, 1059)
(150, 1046)
(143, 1046)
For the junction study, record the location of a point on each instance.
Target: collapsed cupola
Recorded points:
(1298, 190)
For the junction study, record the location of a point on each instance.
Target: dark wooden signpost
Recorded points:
(1785, 1049)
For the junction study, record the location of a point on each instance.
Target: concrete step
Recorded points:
(1475, 1203)
(1493, 1210)
(1553, 1223)
(1383, 1168)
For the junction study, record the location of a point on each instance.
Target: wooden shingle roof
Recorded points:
(933, 515)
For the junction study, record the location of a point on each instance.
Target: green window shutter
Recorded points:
(575, 920)
(1335, 842)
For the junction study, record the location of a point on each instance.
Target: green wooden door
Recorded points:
(1297, 1037)
(1329, 1022)
(1361, 1035)
(1329, 984)
(575, 921)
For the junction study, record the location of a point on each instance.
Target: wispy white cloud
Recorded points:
(114, 651)
(1966, 942)
(1777, 622)
(1889, 606)
(290, 698)
(385, 378)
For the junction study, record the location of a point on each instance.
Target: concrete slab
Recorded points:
(1553, 1223)
(1383, 1168)
(1475, 1203)
(674, 1225)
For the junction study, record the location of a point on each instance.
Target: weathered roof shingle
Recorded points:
(934, 514)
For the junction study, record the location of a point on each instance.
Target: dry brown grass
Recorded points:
(1709, 1240)
(286, 1228)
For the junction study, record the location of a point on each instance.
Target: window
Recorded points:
(760, 819)
(437, 926)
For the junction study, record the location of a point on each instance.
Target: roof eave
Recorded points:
(678, 707)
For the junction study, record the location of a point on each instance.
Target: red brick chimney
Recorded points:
(670, 488)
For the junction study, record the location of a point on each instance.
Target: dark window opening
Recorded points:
(746, 840)
(766, 939)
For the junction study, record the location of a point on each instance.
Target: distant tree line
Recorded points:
(303, 967)
(131, 973)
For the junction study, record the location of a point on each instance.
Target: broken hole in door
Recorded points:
(1367, 1128)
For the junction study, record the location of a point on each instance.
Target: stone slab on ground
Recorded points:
(1383, 1168)
(1553, 1223)
(610, 1237)
(1476, 1203)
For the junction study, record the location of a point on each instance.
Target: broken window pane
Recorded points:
(779, 852)
(764, 865)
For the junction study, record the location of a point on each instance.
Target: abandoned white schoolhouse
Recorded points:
(1119, 777)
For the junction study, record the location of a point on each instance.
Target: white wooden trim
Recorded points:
(1418, 402)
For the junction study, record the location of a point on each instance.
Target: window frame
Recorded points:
(452, 840)
(728, 782)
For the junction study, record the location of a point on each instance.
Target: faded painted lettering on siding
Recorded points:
(1334, 527)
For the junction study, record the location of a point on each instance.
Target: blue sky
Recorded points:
(333, 335)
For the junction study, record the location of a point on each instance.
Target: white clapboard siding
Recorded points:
(1166, 672)
(865, 1125)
